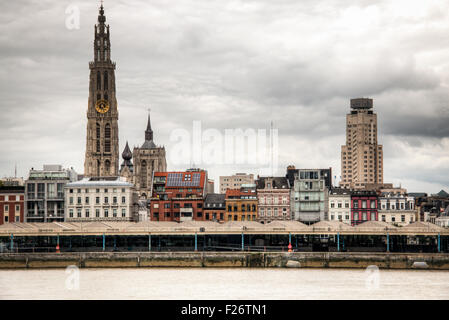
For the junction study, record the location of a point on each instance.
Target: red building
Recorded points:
(178, 196)
(12, 204)
(364, 206)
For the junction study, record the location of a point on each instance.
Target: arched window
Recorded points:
(98, 77)
(98, 137)
(105, 80)
(107, 131)
(107, 167)
(98, 168)
(143, 175)
(107, 138)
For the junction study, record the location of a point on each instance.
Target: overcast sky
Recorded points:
(233, 64)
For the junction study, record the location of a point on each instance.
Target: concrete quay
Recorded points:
(432, 261)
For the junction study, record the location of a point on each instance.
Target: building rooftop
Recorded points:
(12, 189)
(339, 191)
(209, 227)
(278, 182)
(99, 181)
(215, 198)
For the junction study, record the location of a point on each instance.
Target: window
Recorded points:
(79, 213)
(78, 200)
(87, 200)
(114, 212)
(106, 200)
(114, 199)
(97, 213)
(17, 208)
(105, 80)
(87, 213)
(373, 204)
(123, 199)
(123, 212)
(97, 200)
(106, 213)
(71, 213)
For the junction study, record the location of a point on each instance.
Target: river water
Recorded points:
(272, 284)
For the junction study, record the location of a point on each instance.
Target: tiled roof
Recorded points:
(217, 198)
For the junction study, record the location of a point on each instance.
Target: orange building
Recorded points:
(241, 205)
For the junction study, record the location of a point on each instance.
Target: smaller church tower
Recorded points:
(148, 158)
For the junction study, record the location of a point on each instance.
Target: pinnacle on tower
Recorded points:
(149, 131)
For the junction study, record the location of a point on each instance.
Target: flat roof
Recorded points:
(209, 227)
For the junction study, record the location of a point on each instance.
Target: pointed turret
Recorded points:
(127, 156)
(149, 143)
(149, 131)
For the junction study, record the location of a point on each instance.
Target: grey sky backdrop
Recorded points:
(233, 64)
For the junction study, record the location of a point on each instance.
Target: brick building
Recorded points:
(364, 206)
(214, 207)
(12, 204)
(178, 196)
(241, 205)
(273, 194)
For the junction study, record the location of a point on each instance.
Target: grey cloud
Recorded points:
(230, 64)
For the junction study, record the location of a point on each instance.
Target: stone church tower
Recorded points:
(102, 153)
(147, 159)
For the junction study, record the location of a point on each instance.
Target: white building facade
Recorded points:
(340, 205)
(396, 209)
(101, 199)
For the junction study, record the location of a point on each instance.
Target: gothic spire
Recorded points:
(101, 16)
(149, 131)
(149, 143)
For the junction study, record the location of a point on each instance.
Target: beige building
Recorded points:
(362, 156)
(100, 199)
(397, 209)
(235, 182)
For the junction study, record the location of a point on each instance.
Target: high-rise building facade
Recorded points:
(235, 182)
(362, 156)
(102, 153)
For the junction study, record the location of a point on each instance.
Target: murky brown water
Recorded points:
(224, 284)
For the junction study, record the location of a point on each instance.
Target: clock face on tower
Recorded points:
(102, 106)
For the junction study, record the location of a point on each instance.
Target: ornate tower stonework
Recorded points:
(102, 153)
(147, 159)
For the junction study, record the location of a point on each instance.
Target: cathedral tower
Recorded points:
(102, 153)
(148, 158)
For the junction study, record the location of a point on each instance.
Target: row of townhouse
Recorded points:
(55, 194)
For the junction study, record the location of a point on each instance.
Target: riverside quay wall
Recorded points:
(435, 261)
